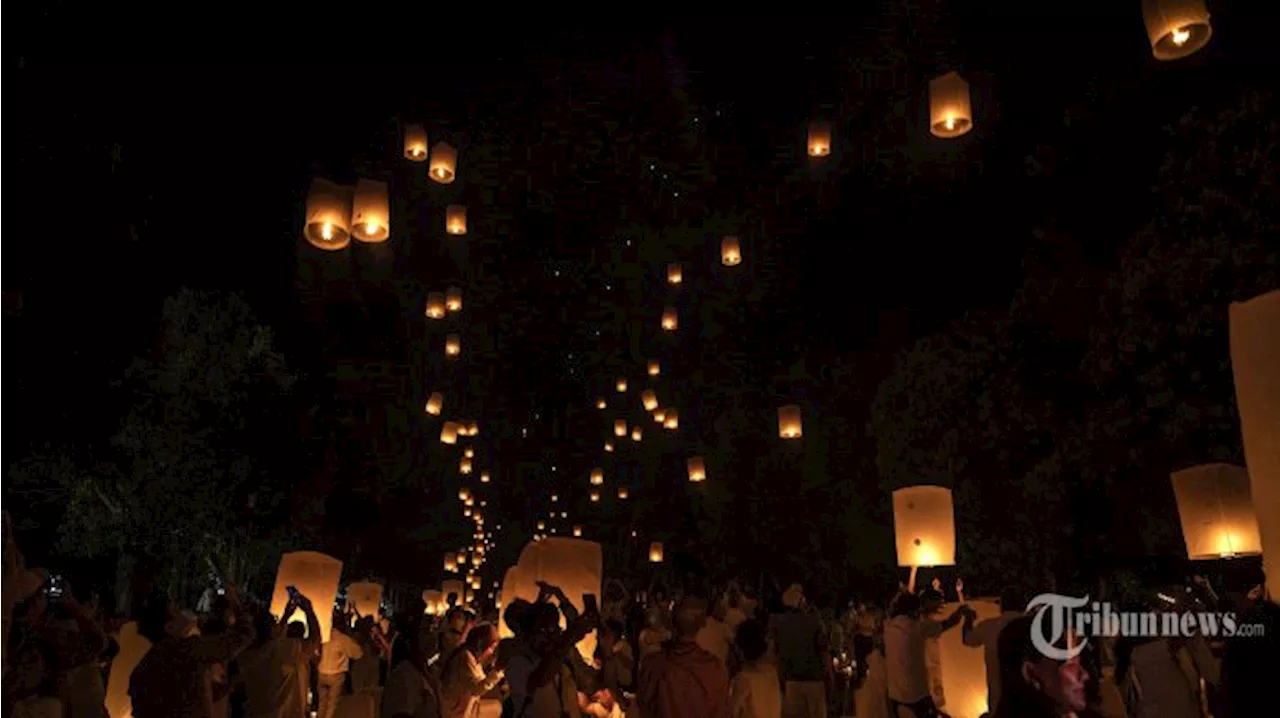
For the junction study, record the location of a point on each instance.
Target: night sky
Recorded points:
(130, 179)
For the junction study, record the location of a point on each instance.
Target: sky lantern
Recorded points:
(671, 421)
(620, 427)
(655, 368)
(597, 476)
(621, 385)
(622, 492)
(316, 576)
(964, 670)
(674, 273)
(450, 563)
(660, 416)
(577, 531)
(789, 424)
(819, 139)
(1176, 28)
(435, 403)
(730, 251)
(452, 345)
(670, 319)
(415, 143)
(449, 433)
(542, 525)
(453, 299)
(464, 466)
(924, 524)
(435, 305)
(601, 403)
(444, 163)
(472, 427)
(469, 452)
(649, 398)
(950, 114)
(484, 477)
(328, 220)
(462, 558)
(608, 446)
(365, 597)
(637, 433)
(371, 212)
(1255, 367)
(455, 219)
(655, 552)
(697, 469)
(595, 497)
(1216, 508)
(464, 493)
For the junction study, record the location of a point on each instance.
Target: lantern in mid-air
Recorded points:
(597, 476)
(730, 251)
(622, 492)
(950, 112)
(415, 143)
(1176, 28)
(655, 552)
(608, 446)
(453, 299)
(371, 212)
(649, 398)
(435, 305)
(924, 524)
(670, 319)
(444, 163)
(637, 433)
(789, 425)
(1216, 507)
(455, 219)
(621, 385)
(620, 427)
(654, 367)
(601, 403)
(449, 433)
(452, 345)
(435, 403)
(697, 469)
(819, 139)
(674, 273)
(328, 220)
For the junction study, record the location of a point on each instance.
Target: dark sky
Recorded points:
(140, 171)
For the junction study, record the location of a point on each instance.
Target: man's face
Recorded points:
(1064, 683)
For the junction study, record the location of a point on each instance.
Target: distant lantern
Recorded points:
(655, 552)
(697, 469)
(622, 492)
(577, 531)
(453, 299)
(462, 558)
(654, 367)
(660, 415)
(444, 162)
(595, 497)
(542, 525)
(464, 466)
(484, 477)
(435, 305)
(452, 345)
(672, 420)
(819, 139)
(637, 433)
(924, 525)
(650, 399)
(473, 428)
(435, 403)
(475, 583)
(455, 219)
(620, 427)
(1216, 508)
(415, 143)
(371, 212)
(449, 433)
(450, 563)
(789, 425)
(950, 114)
(608, 446)
(1176, 28)
(670, 319)
(621, 384)
(730, 251)
(469, 452)
(328, 220)
(601, 403)
(464, 493)
(555, 498)
(674, 273)
(597, 476)
(471, 501)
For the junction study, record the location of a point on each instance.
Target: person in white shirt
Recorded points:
(411, 690)
(273, 667)
(464, 680)
(754, 690)
(904, 653)
(336, 656)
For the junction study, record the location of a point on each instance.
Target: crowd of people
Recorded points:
(695, 654)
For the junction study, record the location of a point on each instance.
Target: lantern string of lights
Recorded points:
(335, 214)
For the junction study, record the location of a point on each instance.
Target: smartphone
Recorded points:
(294, 594)
(589, 604)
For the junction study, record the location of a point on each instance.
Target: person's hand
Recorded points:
(937, 585)
(959, 586)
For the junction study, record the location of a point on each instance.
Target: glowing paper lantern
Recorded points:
(132, 649)
(654, 367)
(577, 531)
(964, 670)
(950, 114)
(575, 565)
(1255, 364)
(1176, 28)
(637, 433)
(464, 466)
(660, 415)
(622, 492)
(434, 602)
(601, 403)
(595, 497)
(730, 252)
(608, 446)
(789, 424)
(328, 221)
(415, 143)
(650, 399)
(316, 576)
(435, 404)
(597, 477)
(371, 212)
(484, 477)
(444, 162)
(452, 345)
(621, 385)
(670, 319)
(672, 420)
(453, 299)
(542, 525)
(455, 588)
(620, 427)
(455, 219)
(450, 563)
(464, 494)
(469, 452)
(449, 433)
(435, 305)
(819, 139)
(655, 552)
(674, 273)
(365, 596)
(1216, 509)
(697, 469)
(924, 524)
(462, 558)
